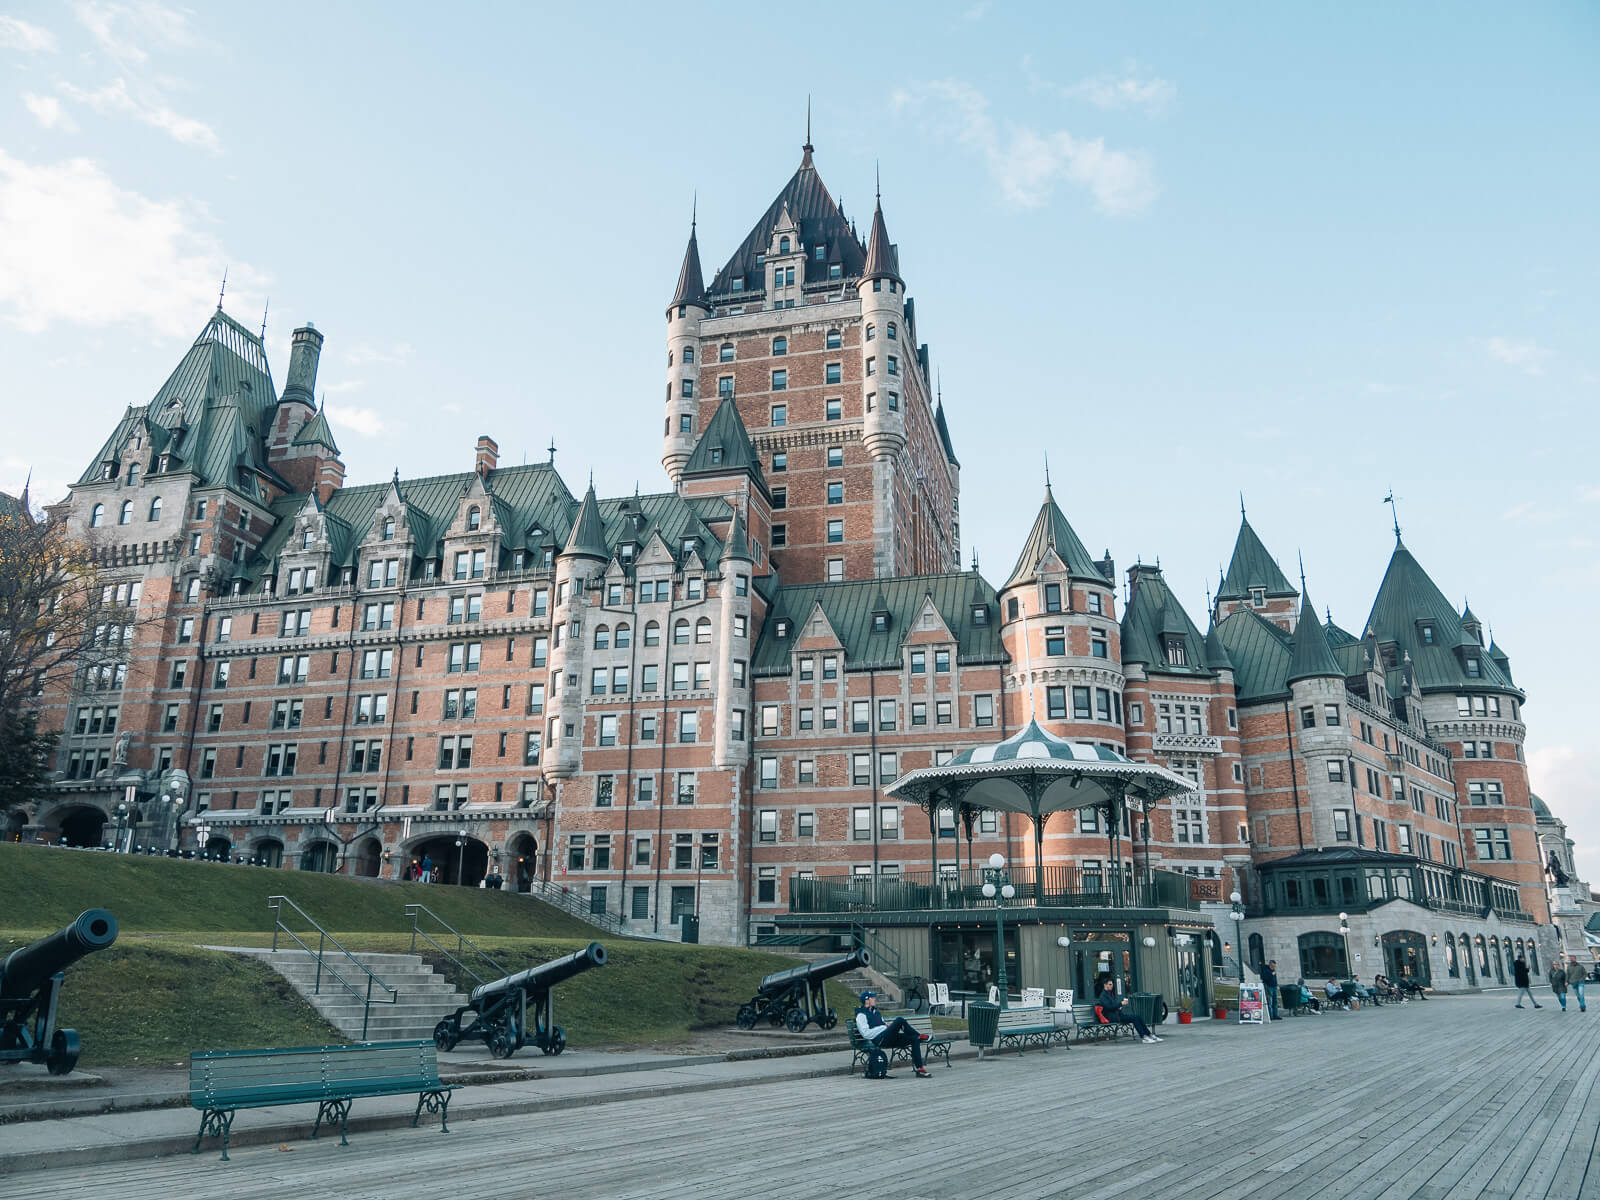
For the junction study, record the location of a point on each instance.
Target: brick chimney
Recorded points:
(488, 455)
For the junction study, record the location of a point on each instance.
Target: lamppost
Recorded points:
(1344, 932)
(997, 887)
(1236, 915)
(122, 822)
(461, 859)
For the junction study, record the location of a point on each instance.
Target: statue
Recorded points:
(119, 752)
(1557, 875)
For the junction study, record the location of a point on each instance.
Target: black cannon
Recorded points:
(500, 1008)
(30, 988)
(794, 998)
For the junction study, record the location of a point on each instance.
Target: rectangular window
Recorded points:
(941, 712)
(861, 824)
(836, 492)
(861, 770)
(833, 409)
(919, 713)
(1099, 644)
(1056, 701)
(780, 382)
(835, 532)
(1055, 640)
(1341, 825)
(688, 726)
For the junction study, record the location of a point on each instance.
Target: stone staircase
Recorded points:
(423, 996)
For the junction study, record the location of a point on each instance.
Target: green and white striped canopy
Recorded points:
(1036, 773)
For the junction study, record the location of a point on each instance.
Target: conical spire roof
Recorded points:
(588, 538)
(1408, 602)
(738, 543)
(1250, 567)
(1052, 532)
(880, 251)
(315, 432)
(691, 284)
(1216, 653)
(1309, 655)
(821, 223)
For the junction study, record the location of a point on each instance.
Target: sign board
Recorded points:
(1252, 1005)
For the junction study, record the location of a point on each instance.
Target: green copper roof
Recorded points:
(1540, 808)
(1252, 567)
(724, 448)
(1260, 654)
(1408, 603)
(1336, 636)
(738, 543)
(1217, 657)
(1309, 656)
(12, 506)
(316, 432)
(849, 607)
(588, 530)
(1051, 532)
(944, 433)
(1152, 616)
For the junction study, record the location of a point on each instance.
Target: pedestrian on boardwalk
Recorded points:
(1558, 982)
(1519, 974)
(1575, 980)
(1269, 985)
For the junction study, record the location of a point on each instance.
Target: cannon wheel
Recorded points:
(556, 1042)
(747, 1016)
(445, 1036)
(502, 1044)
(63, 1052)
(795, 1020)
(828, 1019)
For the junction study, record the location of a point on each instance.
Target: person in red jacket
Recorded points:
(1109, 1010)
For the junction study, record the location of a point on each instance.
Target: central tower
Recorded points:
(811, 335)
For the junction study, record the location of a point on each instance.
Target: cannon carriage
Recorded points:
(794, 998)
(500, 1010)
(30, 990)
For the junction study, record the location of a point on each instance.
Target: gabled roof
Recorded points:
(1154, 614)
(1309, 655)
(1051, 532)
(881, 257)
(691, 287)
(820, 222)
(1260, 653)
(316, 432)
(848, 607)
(724, 448)
(588, 537)
(1408, 598)
(1250, 567)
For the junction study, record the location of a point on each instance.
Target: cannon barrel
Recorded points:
(545, 975)
(26, 970)
(816, 972)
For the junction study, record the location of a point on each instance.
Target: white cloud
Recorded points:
(1028, 163)
(149, 107)
(1131, 89)
(364, 421)
(76, 248)
(1589, 493)
(1522, 353)
(48, 112)
(122, 29)
(396, 354)
(17, 34)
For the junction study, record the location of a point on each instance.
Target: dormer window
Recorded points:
(109, 471)
(474, 519)
(738, 283)
(716, 454)
(687, 546)
(1258, 597)
(780, 627)
(783, 245)
(1425, 632)
(388, 529)
(880, 622)
(819, 253)
(980, 614)
(306, 539)
(1177, 650)
(1474, 668)
(516, 560)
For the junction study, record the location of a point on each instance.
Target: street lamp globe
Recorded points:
(1008, 891)
(1235, 897)
(1343, 918)
(1063, 942)
(997, 860)
(988, 891)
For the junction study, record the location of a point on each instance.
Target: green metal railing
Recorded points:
(276, 904)
(464, 945)
(571, 902)
(923, 891)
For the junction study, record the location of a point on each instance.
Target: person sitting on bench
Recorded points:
(1337, 996)
(1108, 1010)
(891, 1035)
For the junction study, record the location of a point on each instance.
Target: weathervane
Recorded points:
(223, 291)
(1394, 509)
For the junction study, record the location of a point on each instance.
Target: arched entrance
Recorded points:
(319, 856)
(369, 856)
(522, 861)
(269, 852)
(465, 864)
(81, 825)
(11, 825)
(218, 848)
(1405, 956)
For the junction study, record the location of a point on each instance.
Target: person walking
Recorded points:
(1557, 976)
(1269, 984)
(1575, 980)
(1519, 975)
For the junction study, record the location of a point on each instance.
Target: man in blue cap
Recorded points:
(889, 1035)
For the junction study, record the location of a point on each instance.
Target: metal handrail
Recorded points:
(885, 959)
(462, 942)
(276, 903)
(569, 903)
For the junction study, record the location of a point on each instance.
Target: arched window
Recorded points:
(1464, 949)
(1450, 964)
(97, 516)
(669, 358)
(688, 354)
(1533, 958)
(892, 334)
(1258, 952)
(652, 634)
(126, 514)
(780, 345)
(1322, 956)
(680, 633)
(624, 637)
(155, 509)
(783, 245)
(1483, 956)
(702, 631)
(602, 637)
(725, 352)
(872, 332)
(388, 529)
(474, 518)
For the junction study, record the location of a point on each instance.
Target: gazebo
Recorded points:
(1037, 774)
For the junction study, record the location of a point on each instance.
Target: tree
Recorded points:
(24, 759)
(51, 621)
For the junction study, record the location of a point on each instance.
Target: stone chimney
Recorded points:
(488, 455)
(304, 351)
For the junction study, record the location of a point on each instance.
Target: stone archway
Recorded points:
(269, 852)
(522, 862)
(368, 857)
(218, 848)
(319, 856)
(79, 825)
(12, 824)
(465, 864)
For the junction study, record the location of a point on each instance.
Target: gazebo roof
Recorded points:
(1036, 773)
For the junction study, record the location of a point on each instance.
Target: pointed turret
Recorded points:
(1309, 655)
(1411, 613)
(691, 284)
(881, 258)
(725, 448)
(316, 432)
(1051, 532)
(588, 538)
(738, 543)
(1216, 653)
(1501, 659)
(1252, 567)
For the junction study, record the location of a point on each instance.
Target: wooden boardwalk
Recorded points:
(1452, 1098)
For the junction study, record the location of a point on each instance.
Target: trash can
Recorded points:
(1144, 1005)
(691, 928)
(983, 1023)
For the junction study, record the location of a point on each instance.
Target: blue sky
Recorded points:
(1308, 254)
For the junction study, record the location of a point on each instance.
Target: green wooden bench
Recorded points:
(223, 1081)
(1024, 1027)
(937, 1045)
(1088, 1027)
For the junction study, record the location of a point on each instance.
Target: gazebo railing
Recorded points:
(923, 891)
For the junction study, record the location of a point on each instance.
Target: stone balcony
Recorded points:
(1188, 743)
